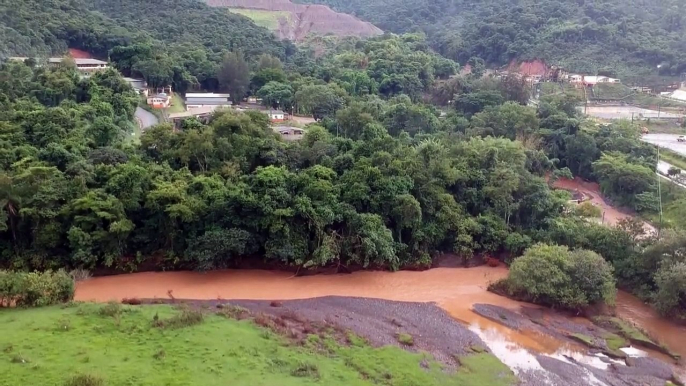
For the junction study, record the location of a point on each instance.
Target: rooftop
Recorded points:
(79, 61)
(206, 95)
(192, 113)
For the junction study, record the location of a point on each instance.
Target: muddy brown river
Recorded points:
(455, 290)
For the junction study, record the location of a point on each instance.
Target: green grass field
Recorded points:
(177, 104)
(90, 344)
(266, 19)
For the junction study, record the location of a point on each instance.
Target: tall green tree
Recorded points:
(234, 76)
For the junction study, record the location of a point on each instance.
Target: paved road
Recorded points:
(662, 168)
(667, 141)
(145, 118)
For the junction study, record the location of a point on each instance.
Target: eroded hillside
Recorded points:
(304, 19)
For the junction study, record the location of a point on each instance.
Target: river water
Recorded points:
(453, 289)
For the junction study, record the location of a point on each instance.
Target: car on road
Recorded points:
(681, 138)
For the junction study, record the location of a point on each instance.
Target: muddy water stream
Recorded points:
(453, 289)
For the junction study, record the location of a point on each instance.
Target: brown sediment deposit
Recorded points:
(305, 19)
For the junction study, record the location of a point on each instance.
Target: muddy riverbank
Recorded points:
(426, 328)
(455, 290)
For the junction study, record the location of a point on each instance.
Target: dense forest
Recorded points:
(178, 42)
(623, 36)
(406, 161)
(382, 180)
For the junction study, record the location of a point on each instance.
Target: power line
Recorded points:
(659, 191)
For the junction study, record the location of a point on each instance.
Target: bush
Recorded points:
(670, 298)
(185, 318)
(35, 289)
(84, 380)
(555, 276)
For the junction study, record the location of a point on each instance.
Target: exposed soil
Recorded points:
(533, 67)
(305, 19)
(79, 54)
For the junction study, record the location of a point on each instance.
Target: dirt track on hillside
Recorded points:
(591, 190)
(305, 19)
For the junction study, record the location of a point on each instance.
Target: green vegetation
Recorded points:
(177, 104)
(266, 19)
(81, 343)
(165, 42)
(631, 333)
(405, 339)
(381, 180)
(617, 37)
(585, 339)
(558, 277)
(35, 289)
(615, 342)
(625, 94)
(610, 343)
(673, 158)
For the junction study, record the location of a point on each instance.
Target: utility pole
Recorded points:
(659, 191)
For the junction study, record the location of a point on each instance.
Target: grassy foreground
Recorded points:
(90, 344)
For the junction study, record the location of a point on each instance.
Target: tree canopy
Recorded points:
(624, 35)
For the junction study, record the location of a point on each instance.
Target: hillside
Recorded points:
(34, 27)
(623, 35)
(300, 20)
(178, 42)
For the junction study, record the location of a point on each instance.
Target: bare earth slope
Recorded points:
(305, 19)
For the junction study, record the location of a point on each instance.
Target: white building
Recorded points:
(85, 66)
(591, 80)
(575, 78)
(206, 99)
(277, 115)
(159, 101)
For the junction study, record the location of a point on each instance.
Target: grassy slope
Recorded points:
(626, 94)
(47, 346)
(177, 104)
(266, 19)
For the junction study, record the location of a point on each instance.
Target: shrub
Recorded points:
(111, 309)
(555, 276)
(80, 274)
(35, 289)
(587, 209)
(405, 339)
(670, 298)
(185, 318)
(84, 380)
(304, 369)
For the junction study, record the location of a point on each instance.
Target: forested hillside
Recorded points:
(382, 180)
(622, 35)
(179, 42)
